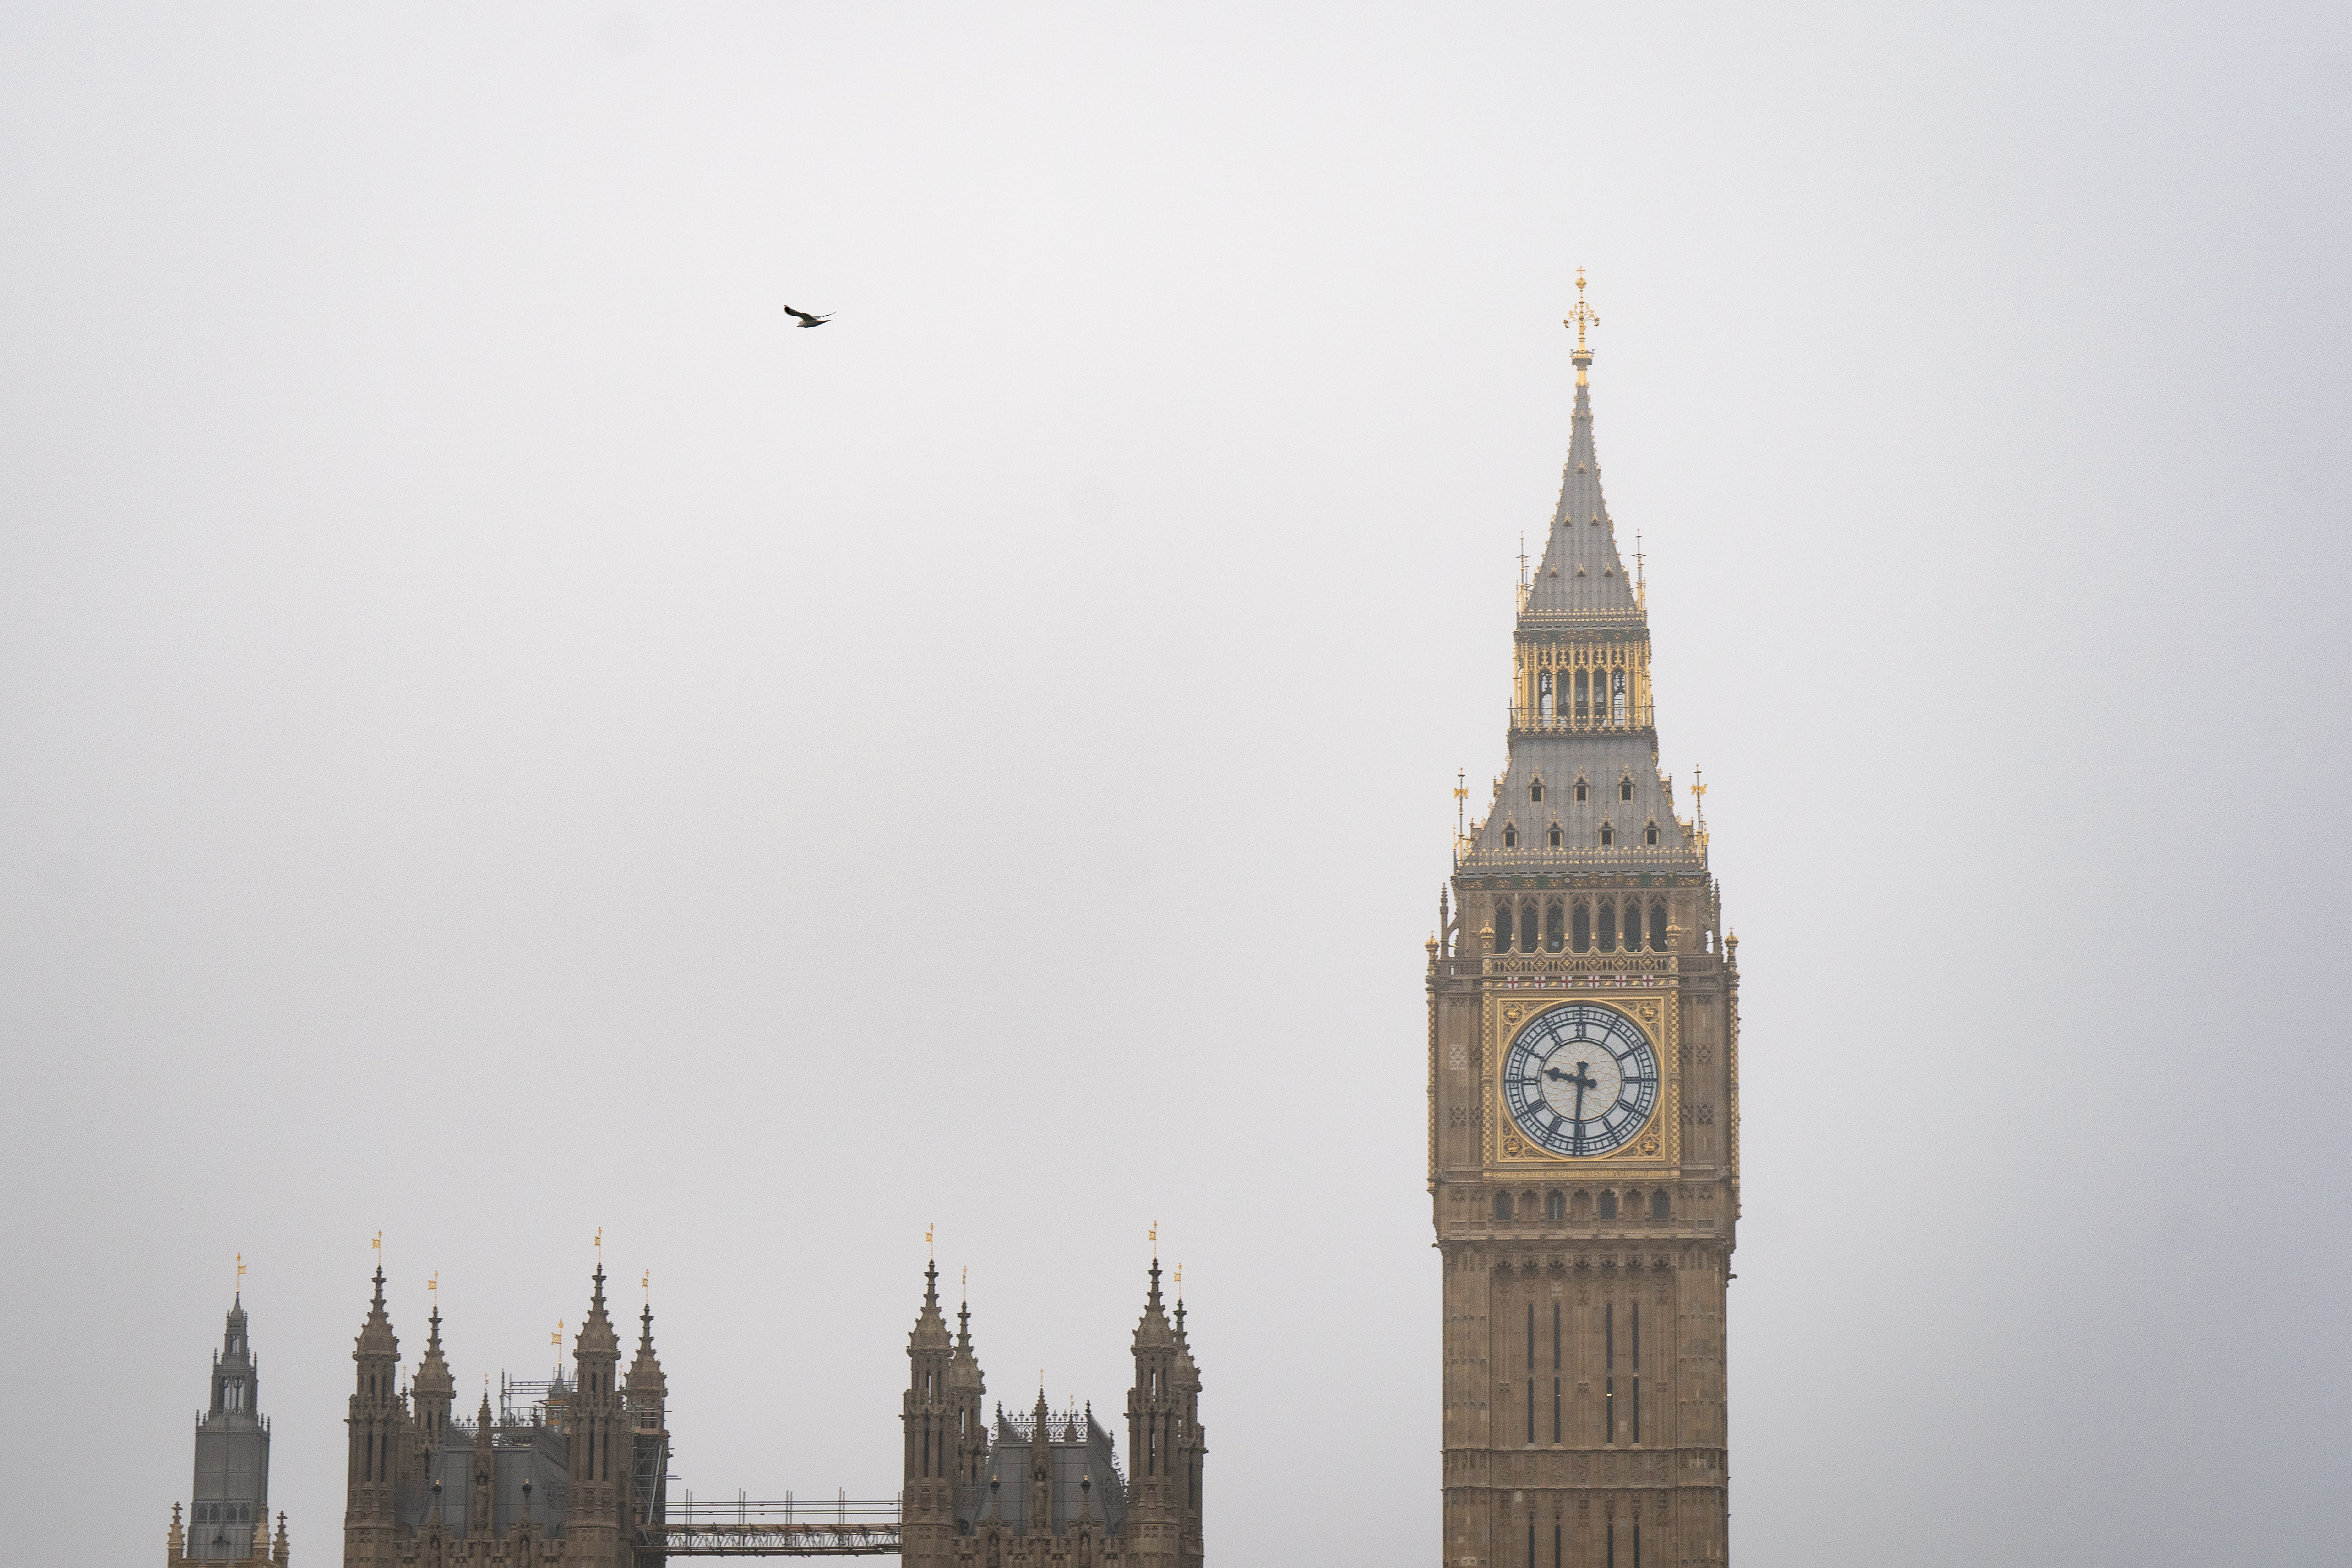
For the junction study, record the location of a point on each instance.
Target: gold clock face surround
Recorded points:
(1581, 1079)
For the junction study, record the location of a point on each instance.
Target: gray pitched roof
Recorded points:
(1581, 569)
(1605, 761)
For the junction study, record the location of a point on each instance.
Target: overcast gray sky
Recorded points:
(501, 735)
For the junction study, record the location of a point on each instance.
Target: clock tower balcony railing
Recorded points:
(1582, 722)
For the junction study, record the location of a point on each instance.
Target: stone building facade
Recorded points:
(570, 1476)
(1046, 1491)
(1583, 1101)
(229, 1503)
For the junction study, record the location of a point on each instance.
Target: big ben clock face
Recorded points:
(1581, 1079)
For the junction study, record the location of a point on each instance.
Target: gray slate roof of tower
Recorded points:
(1581, 569)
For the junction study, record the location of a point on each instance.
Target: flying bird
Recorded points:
(806, 319)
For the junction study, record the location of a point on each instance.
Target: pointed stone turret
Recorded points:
(378, 1425)
(279, 1554)
(648, 1389)
(1155, 1499)
(235, 1376)
(1041, 1467)
(927, 1420)
(1191, 1443)
(481, 1497)
(601, 1443)
(968, 1416)
(433, 1392)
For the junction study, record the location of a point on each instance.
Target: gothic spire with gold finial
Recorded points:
(1582, 573)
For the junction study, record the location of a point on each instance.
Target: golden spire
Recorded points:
(240, 1274)
(1580, 317)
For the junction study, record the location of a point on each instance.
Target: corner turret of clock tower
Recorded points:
(1582, 1093)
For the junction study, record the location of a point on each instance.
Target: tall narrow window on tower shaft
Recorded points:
(1531, 1387)
(1608, 928)
(1608, 1370)
(1528, 929)
(1637, 1400)
(1502, 928)
(1617, 698)
(1580, 699)
(1543, 694)
(1554, 937)
(1581, 929)
(1555, 1381)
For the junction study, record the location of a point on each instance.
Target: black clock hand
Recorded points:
(1583, 1080)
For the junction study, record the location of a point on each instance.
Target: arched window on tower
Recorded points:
(1502, 928)
(1583, 792)
(1555, 836)
(1510, 838)
(1555, 1205)
(1616, 697)
(1526, 928)
(1581, 929)
(1608, 836)
(1608, 1200)
(1543, 693)
(1625, 787)
(1580, 701)
(1535, 791)
(1608, 928)
(1660, 1208)
(1658, 927)
(1649, 835)
(1554, 933)
(1502, 1208)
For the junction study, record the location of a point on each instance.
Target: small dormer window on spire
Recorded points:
(1555, 836)
(1535, 791)
(1510, 838)
(1649, 835)
(1583, 792)
(1608, 836)
(1625, 787)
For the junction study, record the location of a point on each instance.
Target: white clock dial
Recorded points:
(1581, 1079)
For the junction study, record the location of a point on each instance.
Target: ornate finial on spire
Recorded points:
(647, 1283)
(1640, 575)
(240, 1277)
(557, 1337)
(1580, 317)
(599, 1249)
(931, 1244)
(963, 1315)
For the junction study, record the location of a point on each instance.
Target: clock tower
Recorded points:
(1583, 1096)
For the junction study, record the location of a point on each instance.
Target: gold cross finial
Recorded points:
(929, 1243)
(240, 1270)
(378, 1243)
(648, 1283)
(434, 1284)
(1581, 317)
(600, 1246)
(1155, 1241)
(557, 1337)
